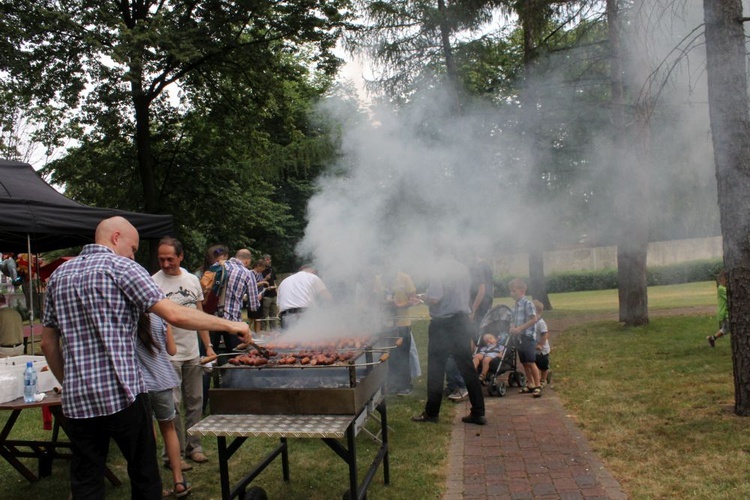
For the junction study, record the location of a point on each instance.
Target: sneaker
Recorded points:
(423, 417)
(711, 340)
(474, 419)
(459, 395)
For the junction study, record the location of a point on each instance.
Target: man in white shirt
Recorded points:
(183, 287)
(298, 292)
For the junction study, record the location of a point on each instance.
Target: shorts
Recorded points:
(527, 349)
(162, 403)
(491, 355)
(542, 361)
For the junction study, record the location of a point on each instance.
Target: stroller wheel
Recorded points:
(497, 388)
(512, 379)
(521, 379)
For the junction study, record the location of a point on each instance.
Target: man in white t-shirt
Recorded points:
(298, 292)
(184, 288)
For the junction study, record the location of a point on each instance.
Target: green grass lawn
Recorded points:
(654, 402)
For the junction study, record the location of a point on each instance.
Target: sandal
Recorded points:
(167, 493)
(185, 489)
(482, 380)
(537, 393)
(526, 390)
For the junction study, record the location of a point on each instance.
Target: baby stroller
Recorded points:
(497, 321)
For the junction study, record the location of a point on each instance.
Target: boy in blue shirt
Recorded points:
(524, 319)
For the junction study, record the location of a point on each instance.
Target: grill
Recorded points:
(331, 402)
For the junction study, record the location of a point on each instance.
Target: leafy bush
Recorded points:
(578, 281)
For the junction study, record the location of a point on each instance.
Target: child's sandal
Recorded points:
(185, 489)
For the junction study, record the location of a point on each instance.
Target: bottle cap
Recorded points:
(29, 363)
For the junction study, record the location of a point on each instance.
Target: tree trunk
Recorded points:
(730, 130)
(141, 105)
(450, 64)
(537, 283)
(631, 188)
(532, 17)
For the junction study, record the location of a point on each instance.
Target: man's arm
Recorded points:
(193, 319)
(53, 352)
(478, 300)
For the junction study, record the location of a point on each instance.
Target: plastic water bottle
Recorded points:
(29, 383)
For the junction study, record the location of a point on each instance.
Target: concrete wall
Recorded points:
(660, 253)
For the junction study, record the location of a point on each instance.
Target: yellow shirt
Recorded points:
(402, 288)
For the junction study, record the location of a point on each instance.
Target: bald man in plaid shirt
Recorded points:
(92, 305)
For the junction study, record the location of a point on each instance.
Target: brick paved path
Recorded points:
(530, 448)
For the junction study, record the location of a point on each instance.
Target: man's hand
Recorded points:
(243, 331)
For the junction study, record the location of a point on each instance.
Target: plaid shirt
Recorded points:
(522, 312)
(94, 302)
(240, 282)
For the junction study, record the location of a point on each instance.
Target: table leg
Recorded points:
(384, 441)
(351, 441)
(223, 467)
(285, 459)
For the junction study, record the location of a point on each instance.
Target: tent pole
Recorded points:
(31, 292)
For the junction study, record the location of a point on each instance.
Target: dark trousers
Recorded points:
(230, 341)
(451, 336)
(399, 368)
(132, 429)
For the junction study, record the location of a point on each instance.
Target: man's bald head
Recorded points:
(119, 235)
(245, 256)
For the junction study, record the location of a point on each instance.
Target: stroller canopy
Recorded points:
(497, 320)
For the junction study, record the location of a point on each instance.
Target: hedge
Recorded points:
(578, 281)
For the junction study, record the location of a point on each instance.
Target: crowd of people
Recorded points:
(94, 304)
(127, 346)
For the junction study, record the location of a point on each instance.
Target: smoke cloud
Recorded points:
(413, 182)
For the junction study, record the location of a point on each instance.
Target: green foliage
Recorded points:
(198, 109)
(606, 279)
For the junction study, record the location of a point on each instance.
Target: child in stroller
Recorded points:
(487, 350)
(497, 323)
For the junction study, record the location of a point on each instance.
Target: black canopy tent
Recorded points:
(33, 215)
(31, 209)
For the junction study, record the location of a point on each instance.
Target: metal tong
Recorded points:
(248, 345)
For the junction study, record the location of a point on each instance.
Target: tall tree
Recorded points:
(630, 199)
(80, 62)
(534, 16)
(412, 42)
(726, 68)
